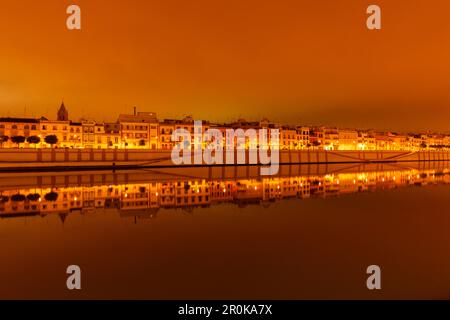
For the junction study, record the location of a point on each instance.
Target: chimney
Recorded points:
(135, 111)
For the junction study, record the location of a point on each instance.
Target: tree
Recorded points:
(423, 145)
(3, 139)
(33, 197)
(33, 140)
(51, 139)
(51, 196)
(142, 143)
(18, 139)
(18, 197)
(316, 143)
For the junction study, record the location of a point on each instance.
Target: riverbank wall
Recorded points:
(18, 160)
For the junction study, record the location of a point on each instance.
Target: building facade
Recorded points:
(143, 130)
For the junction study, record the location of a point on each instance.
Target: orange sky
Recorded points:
(309, 62)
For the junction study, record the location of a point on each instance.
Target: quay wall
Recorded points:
(78, 158)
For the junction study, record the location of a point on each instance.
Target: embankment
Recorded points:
(19, 160)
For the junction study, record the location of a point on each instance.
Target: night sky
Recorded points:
(296, 62)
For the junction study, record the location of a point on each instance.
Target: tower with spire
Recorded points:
(63, 114)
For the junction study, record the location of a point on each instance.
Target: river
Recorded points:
(309, 234)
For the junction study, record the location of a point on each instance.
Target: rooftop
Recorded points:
(19, 120)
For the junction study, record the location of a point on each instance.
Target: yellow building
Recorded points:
(166, 129)
(348, 139)
(289, 139)
(101, 139)
(437, 141)
(139, 130)
(60, 129)
(18, 127)
(398, 142)
(187, 123)
(303, 134)
(331, 139)
(88, 127)
(142, 130)
(112, 134)
(76, 135)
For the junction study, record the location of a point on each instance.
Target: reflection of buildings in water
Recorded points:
(143, 200)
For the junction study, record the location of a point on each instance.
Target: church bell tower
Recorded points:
(63, 114)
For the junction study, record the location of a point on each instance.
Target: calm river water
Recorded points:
(309, 233)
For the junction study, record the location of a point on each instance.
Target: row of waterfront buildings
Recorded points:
(143, 130)
(145, 199)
